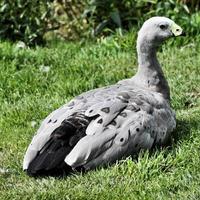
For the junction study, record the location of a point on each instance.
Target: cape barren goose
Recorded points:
(106, 124)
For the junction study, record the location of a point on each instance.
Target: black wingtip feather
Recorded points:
(61, 171)
(50, 160)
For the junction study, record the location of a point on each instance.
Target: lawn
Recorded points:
(34, 82)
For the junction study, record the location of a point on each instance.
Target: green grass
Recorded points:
(27, 95)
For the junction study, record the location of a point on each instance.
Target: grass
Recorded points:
(28, 94)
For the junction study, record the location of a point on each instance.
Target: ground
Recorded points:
(34, 82)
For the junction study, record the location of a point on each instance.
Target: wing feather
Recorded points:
(89, 147)
(106, 112)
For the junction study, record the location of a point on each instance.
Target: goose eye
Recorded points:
(162, 26)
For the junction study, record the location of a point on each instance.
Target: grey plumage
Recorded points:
(115, 121)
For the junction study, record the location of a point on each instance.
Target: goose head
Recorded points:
(156, 30)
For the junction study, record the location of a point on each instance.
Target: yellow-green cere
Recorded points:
(176, 29)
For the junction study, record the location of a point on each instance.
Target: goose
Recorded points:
(107, 124)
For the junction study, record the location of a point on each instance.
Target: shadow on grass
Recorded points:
(183, 129)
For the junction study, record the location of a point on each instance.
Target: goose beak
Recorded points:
(177, 30)
(183, 33)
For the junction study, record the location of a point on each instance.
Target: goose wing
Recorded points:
(62, 120)
(140, 121)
